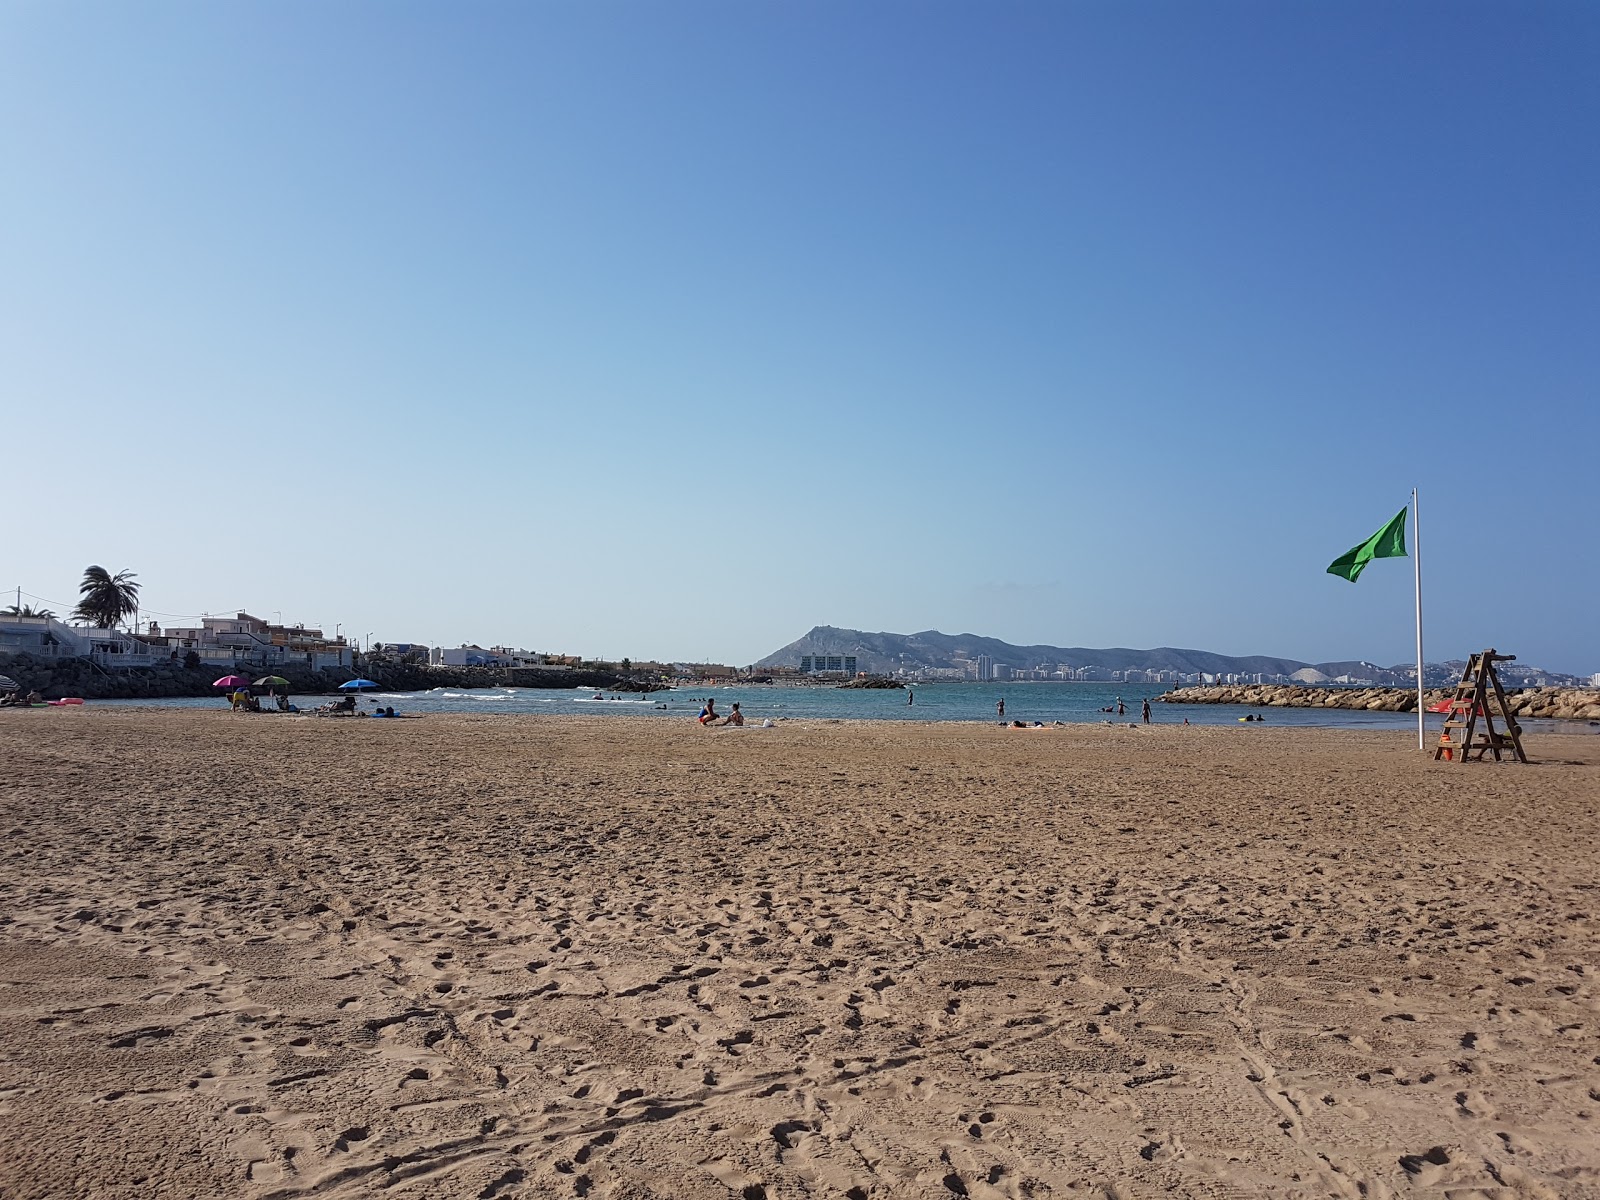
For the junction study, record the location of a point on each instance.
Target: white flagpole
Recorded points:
(1416, 562)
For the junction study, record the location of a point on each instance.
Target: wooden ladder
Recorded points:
(1471, 705)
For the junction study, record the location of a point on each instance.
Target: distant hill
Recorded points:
(887, 653)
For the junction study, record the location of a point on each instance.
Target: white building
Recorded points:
(828, 662)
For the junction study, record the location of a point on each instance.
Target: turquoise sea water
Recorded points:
(1071, 702)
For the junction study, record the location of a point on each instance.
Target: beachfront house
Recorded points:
(246, 641)
(476, 656)
(310, 646)
(48, 638)
(465, 656)
(41, 637)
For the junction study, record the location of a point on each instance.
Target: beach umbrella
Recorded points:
(8, 684)
(357, 685)
(272, 681)
(232, 681)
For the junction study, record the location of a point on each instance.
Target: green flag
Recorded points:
(1388, 542)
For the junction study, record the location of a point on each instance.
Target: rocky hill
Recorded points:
(886, 653)
(890, 653)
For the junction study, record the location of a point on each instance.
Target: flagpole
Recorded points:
(1416, 562)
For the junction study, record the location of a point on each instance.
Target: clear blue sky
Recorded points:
(670, 330)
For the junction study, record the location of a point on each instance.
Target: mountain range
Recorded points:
(891, 653)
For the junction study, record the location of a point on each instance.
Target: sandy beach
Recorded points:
(527, 957)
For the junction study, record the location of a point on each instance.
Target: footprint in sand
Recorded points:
(1428, 1167)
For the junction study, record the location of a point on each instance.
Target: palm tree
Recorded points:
(27, 610)
(107, 598)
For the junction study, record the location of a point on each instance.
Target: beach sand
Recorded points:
(527, 957)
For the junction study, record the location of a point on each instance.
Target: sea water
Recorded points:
(1074, 703)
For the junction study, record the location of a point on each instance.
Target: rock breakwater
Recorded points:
(1574, 704)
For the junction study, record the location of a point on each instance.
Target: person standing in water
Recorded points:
(1147, 712)
(1121, 711)
(1000, 706)
(911, 697)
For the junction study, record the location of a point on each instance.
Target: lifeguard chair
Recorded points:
(1470, 706)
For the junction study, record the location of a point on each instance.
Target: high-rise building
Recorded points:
(828, 662)
(985, 668)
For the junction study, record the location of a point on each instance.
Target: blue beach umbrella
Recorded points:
(357, 685)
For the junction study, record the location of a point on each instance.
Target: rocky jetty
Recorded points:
(872, 681)
(1575, 704)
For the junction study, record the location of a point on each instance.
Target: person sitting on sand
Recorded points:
(708, 713)
(10, 699)
(735, 717)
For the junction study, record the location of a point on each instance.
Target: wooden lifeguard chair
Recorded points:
(1470, 706)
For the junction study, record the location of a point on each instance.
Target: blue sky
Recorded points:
(673, 330)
